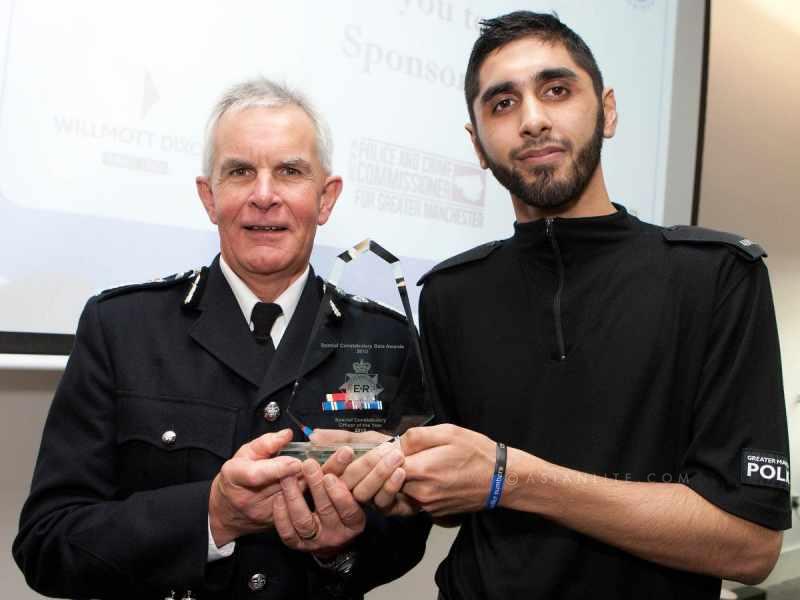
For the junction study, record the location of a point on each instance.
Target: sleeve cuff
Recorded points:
(214, 552)
(771, 510)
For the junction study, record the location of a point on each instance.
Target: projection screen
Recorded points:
(103, 106)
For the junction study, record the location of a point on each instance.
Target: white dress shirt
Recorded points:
(288, 301)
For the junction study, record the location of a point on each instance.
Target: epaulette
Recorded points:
(199, 278)
(477, 253)
(687, 234)
(161, 282)
(366, 304)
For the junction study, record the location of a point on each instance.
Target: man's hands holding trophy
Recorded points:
(258, 490)
(441, 470)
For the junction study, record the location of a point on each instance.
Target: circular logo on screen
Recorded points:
(642, 4)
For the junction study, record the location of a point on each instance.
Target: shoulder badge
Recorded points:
(367, 304)
(686, 234)
(161, 282)
(199, 278)
(475, 254)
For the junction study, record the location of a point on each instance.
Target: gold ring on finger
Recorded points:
(314, 534)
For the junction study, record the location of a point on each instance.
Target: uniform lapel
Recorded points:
(222, 330)
(286, 364)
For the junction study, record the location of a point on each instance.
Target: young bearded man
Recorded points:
(612, 389)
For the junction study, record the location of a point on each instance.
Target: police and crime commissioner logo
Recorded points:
(406, 181)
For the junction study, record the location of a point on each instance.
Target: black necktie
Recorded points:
(263, 317)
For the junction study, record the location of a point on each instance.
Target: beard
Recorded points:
(545, 191)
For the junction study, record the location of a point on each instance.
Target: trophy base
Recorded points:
(322, 452)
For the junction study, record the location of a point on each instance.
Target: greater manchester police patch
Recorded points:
(763, 468)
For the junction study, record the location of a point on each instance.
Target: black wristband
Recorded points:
(496, 489)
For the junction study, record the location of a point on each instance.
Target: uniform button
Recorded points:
(169, 437)
(272, 411)
(257, 582)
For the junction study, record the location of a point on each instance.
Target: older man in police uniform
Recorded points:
(157, 475)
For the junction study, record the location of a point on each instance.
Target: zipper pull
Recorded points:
(548, 221)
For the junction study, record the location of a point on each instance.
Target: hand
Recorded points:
(336, 464)
(448, 468)
(377, 477)
(243, 492)
(336, 520)
(342, 436)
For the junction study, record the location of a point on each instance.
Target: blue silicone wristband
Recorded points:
(496, 488)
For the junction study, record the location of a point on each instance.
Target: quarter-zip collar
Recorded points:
(562, 246)
(578, 239)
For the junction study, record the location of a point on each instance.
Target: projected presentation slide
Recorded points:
(103, 107)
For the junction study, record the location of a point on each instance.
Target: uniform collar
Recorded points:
(577, 238)
(220, 328)
(247, 299)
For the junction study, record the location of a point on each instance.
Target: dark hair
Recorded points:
(503, 30)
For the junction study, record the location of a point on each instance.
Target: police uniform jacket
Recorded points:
(621, 350)
(165, 382)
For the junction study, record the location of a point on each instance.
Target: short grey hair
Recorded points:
(263, 92)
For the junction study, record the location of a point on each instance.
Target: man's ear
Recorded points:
(476, 144)
(330, 193)
(609, 113)
(206, 197)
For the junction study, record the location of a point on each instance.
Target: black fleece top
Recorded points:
(599, 345)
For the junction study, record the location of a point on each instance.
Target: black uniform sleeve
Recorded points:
(739, 411)
(434, 341)
(78, 536)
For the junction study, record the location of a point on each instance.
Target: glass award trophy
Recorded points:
(361, 379)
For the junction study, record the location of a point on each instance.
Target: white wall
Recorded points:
(751, 168)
